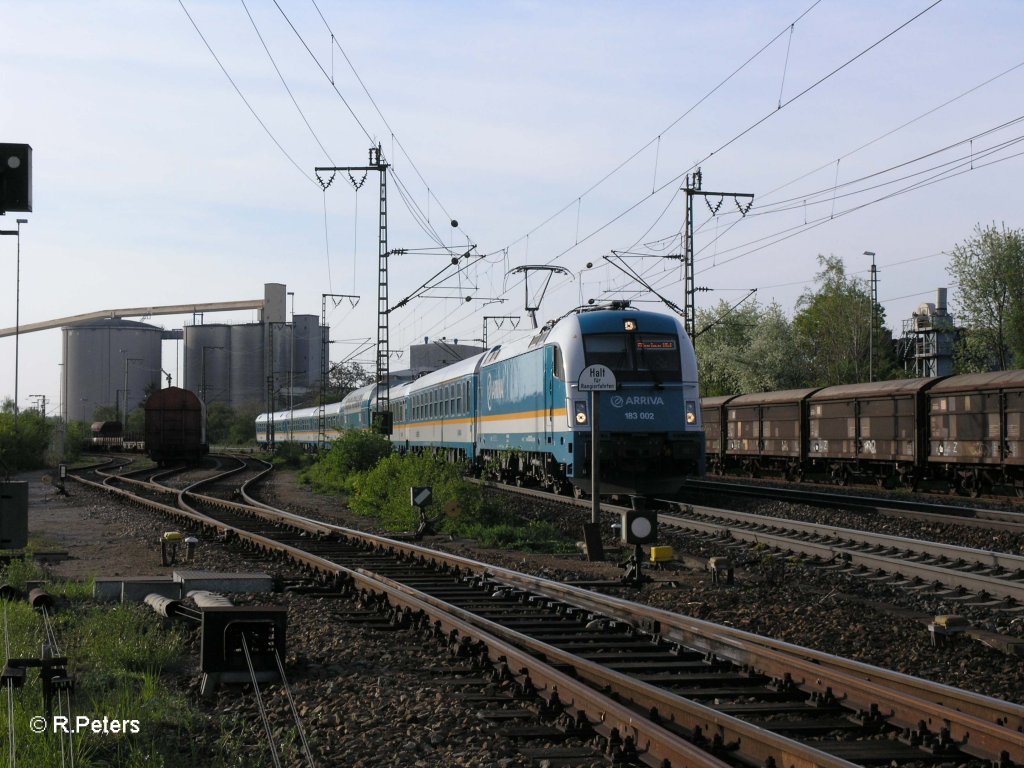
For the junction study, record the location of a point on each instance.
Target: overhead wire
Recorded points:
(413, 206)
(761, 196)
(242, 95)
(366, 90)
(724, 145)
(285, 83)
(665, 130)
(639, 151)
(807, 197)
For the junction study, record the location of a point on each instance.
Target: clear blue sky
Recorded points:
(155, 184)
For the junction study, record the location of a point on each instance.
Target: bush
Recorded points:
(26, 447)
(351, 453)
(291, 455)
(383, 492)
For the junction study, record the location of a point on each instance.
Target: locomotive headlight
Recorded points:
(629, 325)
(580, 409)
(691, 412)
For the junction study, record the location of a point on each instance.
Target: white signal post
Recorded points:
(594, 379)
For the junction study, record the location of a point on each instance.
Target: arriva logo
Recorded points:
(618, 402)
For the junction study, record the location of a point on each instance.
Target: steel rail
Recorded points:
(656, 745)
(858, 686)
(978, 721)
(986, 557)
(851, 555)
(1003, 588)
(979, 517)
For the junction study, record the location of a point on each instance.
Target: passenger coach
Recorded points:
(515, 412)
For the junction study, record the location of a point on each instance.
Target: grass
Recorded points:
(119, 658)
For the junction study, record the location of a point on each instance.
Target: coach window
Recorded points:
(458, 397)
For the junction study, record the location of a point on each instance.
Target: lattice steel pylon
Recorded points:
(381, 421)
(692, 188)
(381, 417)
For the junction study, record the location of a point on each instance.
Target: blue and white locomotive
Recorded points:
(515, 411)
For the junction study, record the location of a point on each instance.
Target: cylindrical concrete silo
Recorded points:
(281, 361)
(307, 340)
(109, 362)
(208, 362)
(249, 384)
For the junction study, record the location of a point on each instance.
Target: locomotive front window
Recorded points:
(610, 349)
(657, 352)
(635, 356)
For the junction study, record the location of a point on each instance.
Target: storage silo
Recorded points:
(208, 362)
(304, 367)
(108, 362)
(281, 333)
(248, 380)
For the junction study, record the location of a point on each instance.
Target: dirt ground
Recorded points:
(105, 538)
(100, 535)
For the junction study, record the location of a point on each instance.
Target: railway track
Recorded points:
(658, 688)
(986, 575)
(959, 574)
(906, 508)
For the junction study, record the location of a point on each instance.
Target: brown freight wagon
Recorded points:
(714, 431)
(175, 426)
(976, 423)
(869, 430)
(767, 431)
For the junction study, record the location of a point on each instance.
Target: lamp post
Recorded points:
(17, 309)
(871, 329)
(202, 382)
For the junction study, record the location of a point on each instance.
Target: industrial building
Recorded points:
(110, 361)
(230, 364)
(431, 355)
(926, 346)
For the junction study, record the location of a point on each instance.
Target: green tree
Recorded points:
(106, 413)
(24, 447)
(746, 349)
(243, 423)
(833, 329)
(136, 423)
(345, 377)
(219, 420)
(988, 273)
(76, 437)
(722, 333)
(771, 360)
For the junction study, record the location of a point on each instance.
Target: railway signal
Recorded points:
(421, 498)
(15, 178)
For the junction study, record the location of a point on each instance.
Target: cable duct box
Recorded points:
(15, 177)
(13, 514)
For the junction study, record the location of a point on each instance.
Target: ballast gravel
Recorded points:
(383, 697)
